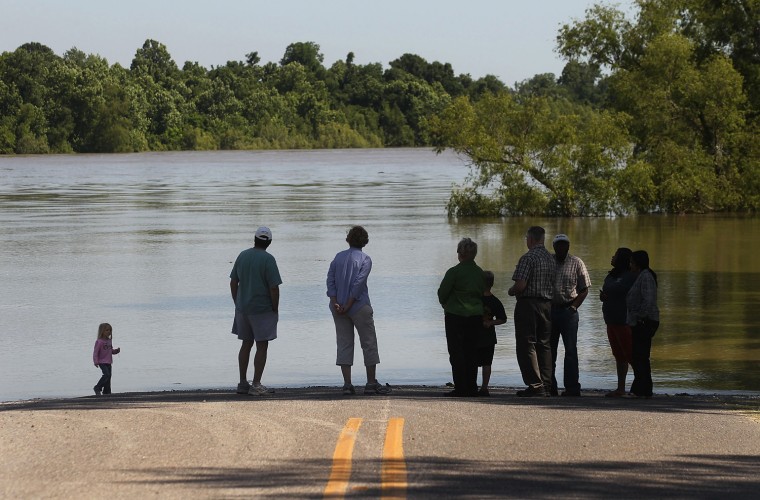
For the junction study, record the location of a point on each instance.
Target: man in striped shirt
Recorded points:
(570, 290)
(534, 288)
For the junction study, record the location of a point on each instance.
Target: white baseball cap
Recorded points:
(561, 237)
(263, 233)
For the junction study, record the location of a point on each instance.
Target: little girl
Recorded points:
(102, 357)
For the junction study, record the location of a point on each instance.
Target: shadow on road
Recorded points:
(715, 476)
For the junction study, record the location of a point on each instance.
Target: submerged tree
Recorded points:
(648, 116)
(535, 156)
(684, 83)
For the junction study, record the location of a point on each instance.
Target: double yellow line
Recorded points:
(394, 467)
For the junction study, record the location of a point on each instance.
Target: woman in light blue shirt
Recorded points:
(351, 310)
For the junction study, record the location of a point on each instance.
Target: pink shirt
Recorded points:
(103, 352)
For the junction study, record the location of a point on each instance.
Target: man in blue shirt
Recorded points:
(350, 308)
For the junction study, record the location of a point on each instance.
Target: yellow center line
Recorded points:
(341, 466)
(394, 467)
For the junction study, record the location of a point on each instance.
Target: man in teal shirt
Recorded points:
(254, 283)
(461, 295)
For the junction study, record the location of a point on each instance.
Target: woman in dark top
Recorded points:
(644, 318)
(613, 295)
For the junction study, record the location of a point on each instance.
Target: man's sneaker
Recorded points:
(260, 390)
(376, 388)
(348, 390)
(97, 391)
(243, 388)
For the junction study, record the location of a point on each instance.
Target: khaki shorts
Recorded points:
(258, 327)
(364, 323)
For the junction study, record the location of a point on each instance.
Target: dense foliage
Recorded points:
(80, 103)
(656, 115)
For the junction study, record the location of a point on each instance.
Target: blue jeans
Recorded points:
(565, 325)
(104, 384)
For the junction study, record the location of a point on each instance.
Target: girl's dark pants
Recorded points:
(104, 384)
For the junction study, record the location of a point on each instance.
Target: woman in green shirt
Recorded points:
(461, 295)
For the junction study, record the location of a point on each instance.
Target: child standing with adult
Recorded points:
(493, 315)
(461, 295)
(102, 357)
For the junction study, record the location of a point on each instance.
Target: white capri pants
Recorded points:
(364, 323)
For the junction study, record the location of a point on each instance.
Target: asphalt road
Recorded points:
(304, 443)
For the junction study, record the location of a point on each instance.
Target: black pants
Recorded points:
(462, 342)
(104, 384)
(533, 332)
(642, 346)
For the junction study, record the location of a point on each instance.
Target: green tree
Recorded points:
(31, 130)
(688, 103)
(163, 95)
(27, 69)
(364, 86)
(541, 85)
(10, 107)
(582, 83)
(43, 81)
(153, 60)
(688, 120)
(417, 103)
(535, 156)
(729, 28)
(488, 84)
(162, 110)
(307, 54)
(418, 67)
(603, 39)
(111, 133)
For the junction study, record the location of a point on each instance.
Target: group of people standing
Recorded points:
(629, 306)
(549, 289)
(471, 313)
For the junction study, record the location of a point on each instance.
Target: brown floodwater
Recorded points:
(146, 242)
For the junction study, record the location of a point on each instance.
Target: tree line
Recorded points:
(79, 103)
(654, 114)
